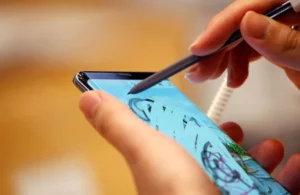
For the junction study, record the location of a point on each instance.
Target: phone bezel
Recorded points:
(81, 78)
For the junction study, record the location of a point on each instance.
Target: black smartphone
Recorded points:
(168, 110)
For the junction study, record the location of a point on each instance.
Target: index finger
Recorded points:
(226, 22)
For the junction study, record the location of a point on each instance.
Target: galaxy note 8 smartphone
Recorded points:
(168, 110)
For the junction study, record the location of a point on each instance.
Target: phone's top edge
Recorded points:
(114, 75)
(116, 72)
(80, 82)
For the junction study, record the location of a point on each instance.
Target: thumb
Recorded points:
(159, 165)
(273, 40)
(116, 123)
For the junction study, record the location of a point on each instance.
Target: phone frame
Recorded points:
(81, 78)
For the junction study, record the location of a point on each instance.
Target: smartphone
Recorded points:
(168, 110)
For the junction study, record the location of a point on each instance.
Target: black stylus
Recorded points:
(192, 59)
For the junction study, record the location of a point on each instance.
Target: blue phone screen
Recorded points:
(166, 109)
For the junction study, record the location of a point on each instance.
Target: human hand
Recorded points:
(160, 165)
(275, 41)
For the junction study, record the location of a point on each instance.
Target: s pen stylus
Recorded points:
(192, 59)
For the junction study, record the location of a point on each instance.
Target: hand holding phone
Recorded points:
(197, 153)
(159, 165)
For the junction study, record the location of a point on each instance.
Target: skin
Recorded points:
(274, 40)
(161, 166)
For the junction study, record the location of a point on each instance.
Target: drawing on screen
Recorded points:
(222, 173)
(134, 104)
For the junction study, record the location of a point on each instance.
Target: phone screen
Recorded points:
(168, 110)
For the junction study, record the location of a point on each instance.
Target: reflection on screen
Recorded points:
(167, 110)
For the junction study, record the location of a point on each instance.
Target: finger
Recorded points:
(226, 22)
(234, 131)
(275, 41)
(238, 66)
(294, 76)
(253, 55)
(268, 154)
(222, 67)
(116, 125)
(193, 68)
(148, 152)
(205, 69)
(289, 176)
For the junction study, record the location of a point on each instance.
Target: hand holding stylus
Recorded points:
(159, 164)
(213, 50)
(274, 40)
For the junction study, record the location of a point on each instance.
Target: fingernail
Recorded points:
(257, 26)
(196, 42)
(187, 75)
(195, 77)
(193, 45)
(89, 102)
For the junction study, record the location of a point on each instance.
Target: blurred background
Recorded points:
(46, 145)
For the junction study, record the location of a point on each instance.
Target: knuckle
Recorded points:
(292, 41)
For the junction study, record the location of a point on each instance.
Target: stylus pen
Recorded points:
(192, 59)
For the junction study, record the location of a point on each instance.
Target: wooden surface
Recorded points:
(40, 121)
